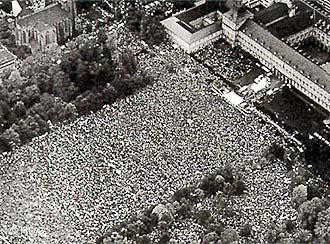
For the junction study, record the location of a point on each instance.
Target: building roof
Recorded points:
(286, 53)
(5, 55)
(26, 7)
(238, 17)
(274, 12)
(186, 32)
(290, 26)
(194, 13)
(50, 15)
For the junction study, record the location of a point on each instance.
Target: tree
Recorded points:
(31, 95)
(299, 195)
(308, 211)
(203, 217)
(19, 109)
(273, 234)
(229, 236)
(102, 36)
(245, 230)
(322, 227)
(12, 137)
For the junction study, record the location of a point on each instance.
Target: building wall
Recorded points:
(317, 33)
(47, 39)
(285, 71)
(198, 44)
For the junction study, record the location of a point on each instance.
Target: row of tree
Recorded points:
(147, 27)
(60, 86)
(183, 205)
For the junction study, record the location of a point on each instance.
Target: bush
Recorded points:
(185, 210)
(215, 227)
(209, 185)
(227, 173)
(273, 234)
(183, 193)
(112, 238)
(4, 144)
(229, 236)
(239, 187)
(211, 237)
(203, 217)
(289, 226)
(308, 211)
(228, 189)
(245, 230)
(299, 195)
(304, 236)
(143, 240)
(164, 238)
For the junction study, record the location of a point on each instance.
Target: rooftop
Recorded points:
(188, 27)
(26, 7)
(5, 55)
(274, 12)
(290, 26)
(198, 12)
(284, 52)
(239, 17)
(50, 15)
(194, 13)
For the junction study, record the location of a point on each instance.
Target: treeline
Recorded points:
(310, 197)
(60, 86)
(183, 205)
(147, 27)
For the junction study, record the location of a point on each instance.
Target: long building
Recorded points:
(263, 36)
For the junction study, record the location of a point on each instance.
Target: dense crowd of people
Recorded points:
(191, 77)
(138, 152)
(224, 60)
(107, 166)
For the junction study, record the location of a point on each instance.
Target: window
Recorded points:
(47, 38)
(24, 37)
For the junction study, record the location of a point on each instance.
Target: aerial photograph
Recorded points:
(164, 121)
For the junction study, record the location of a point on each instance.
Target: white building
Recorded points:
(239, 28)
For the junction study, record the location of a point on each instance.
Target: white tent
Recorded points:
(262, 84)
(233, 98)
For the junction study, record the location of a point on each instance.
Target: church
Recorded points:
(43, 24)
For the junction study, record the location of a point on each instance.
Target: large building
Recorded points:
(268, 35)
(43, 24)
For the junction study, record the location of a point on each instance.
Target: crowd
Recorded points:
(224, 60)
(86, 176)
